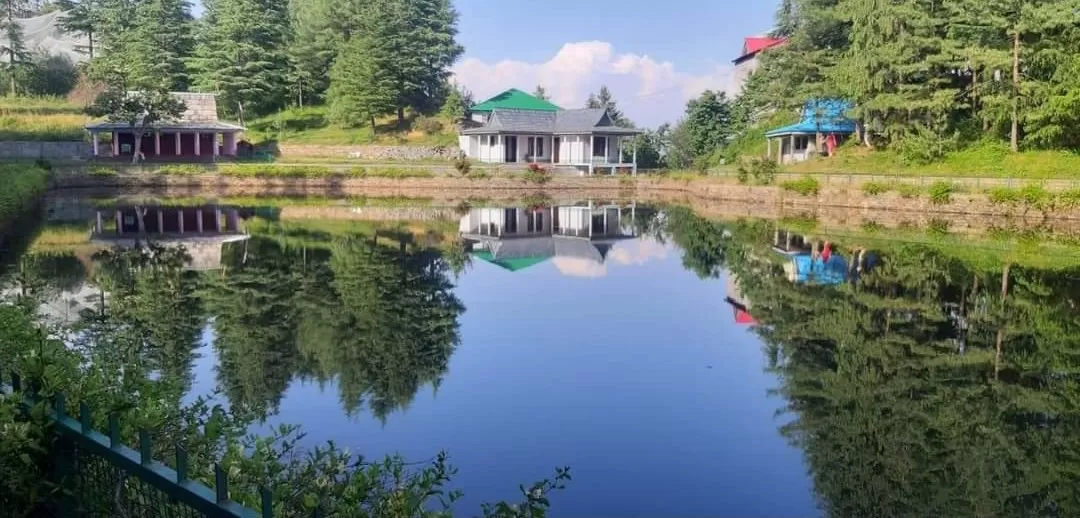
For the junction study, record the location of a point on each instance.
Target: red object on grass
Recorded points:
(826, 253)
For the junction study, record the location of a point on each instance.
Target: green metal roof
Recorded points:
(510, 264)
(514, 99)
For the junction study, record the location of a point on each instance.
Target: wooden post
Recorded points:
(157, 143)
(768, 148)
(216, 151)
(198, 144)
(198, 220)
(160, 221)
(180, 220)
(99, 224)
(634, 172)
(94, 138)
(792, 150)
(177, 136)
(589, 154)
(115, 143)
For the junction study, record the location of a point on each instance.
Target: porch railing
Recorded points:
(102, 477)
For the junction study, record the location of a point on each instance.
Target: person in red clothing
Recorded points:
(826, 252)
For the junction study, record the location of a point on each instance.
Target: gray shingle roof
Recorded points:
(200, 114)
(562, 122)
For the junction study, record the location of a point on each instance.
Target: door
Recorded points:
(510, 147)
(556, 146)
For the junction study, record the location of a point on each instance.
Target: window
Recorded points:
(531, 147)
(801, 142)
(535, 221)
(599, 147)
(539, 146)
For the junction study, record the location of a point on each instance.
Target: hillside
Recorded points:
(310, 126)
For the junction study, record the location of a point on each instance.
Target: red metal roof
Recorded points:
(753, 45)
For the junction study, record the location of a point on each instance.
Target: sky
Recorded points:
(653, 56)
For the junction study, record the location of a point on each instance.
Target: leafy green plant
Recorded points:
(761, 170)
(1035, 195)
(941, 192)
(1004, 195)
(806, 186)
(537, 174)
(462, 165)
(874, 188)
(1069, 199)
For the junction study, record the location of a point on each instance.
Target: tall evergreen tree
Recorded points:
(83, 17)
(242, 54)
(540, 93)
(360, 89)
(709, 123)
(16, 55)
(604, 100)
(160, 44)
(316, 39)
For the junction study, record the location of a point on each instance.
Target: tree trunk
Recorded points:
(137, 148)
(1001, 327)
(401, 116)
(373, 125)
(1014, 135)
(90, 36)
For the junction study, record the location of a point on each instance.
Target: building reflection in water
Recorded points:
(518, 238)
(202, 230)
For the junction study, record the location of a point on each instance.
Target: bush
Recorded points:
(1037, 196)
(462, 165)
(391, 172)
(183, 169)
(941, 192)
(102, 171)
(266, 171)
(23, 186)
(1004, 195)
(537, 174)
(874, 188)
(805, 186)
(761, 170)
(428, 125)
(922, 145)
(1069, 199)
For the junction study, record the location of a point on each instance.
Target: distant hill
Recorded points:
(43, 34)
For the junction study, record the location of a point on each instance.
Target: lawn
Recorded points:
(990, 160)
(41, 118)
(310, 126)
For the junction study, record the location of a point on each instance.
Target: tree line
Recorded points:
(927, 77)
(365, 58)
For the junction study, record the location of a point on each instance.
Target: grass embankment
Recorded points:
(41, 119)
(986, 160)
(310, 126)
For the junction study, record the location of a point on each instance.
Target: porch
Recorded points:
(585, 152)
(165, 144)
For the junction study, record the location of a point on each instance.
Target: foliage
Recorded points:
(806, 186)
(761, 170)
(540, 93)
(708, 122)
(907, 190)
(244, 57)
(138, 109)
(312, 125)
(941, 192)
(23, 186)
(428, 125)
(875, 188)
(680, 153)
(14, 53)
(537, 174)
(652, 147)
(313, 46)
(41, 119)
(604, 100)
(391, 172)
(360, 88)
(458, 103)
(462, 165)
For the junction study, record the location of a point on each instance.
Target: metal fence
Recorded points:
(102, 477)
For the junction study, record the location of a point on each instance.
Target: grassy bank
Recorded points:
(41, 119)
(23, 185)
(989, 160)
(310, 126)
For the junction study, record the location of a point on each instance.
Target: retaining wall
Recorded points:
(45, 150)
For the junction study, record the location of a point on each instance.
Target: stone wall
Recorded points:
(45, 150)
(389, 153)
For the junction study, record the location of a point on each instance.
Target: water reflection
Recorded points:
(577, 239)
(917, 379)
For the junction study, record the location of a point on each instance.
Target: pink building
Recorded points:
(196, 135)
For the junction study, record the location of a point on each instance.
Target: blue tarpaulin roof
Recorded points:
(820, 116)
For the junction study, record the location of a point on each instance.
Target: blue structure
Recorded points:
(799, 141)
(804, 269)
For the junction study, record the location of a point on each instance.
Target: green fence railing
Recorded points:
(104, 478)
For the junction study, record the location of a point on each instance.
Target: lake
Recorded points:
(680, 366)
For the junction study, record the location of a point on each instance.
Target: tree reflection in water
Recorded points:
(929, 386)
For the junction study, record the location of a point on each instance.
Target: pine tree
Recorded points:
(709, 123)
(604, 100)
(241, 54)
(540, 93)
(83, 17)
(160, 44)
(417, 38)
(314, 44)
(360, 87)
(457, 104)
(16, 55)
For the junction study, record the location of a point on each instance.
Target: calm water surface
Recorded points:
(679, 366)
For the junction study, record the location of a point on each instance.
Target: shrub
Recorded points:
(921, 145)
(1037, 196)
(23, 186)
(101, 171)
(1003, 195)
(941, 192)
(874, 188)
(1069, 199)
(269, 171)
(462, 165)
(761, 170)
(537, 174)
(806, 186)
(398, 172)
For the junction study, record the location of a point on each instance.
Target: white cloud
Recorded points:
(627, 253)
(650, 92)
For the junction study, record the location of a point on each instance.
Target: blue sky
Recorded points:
(654, 56)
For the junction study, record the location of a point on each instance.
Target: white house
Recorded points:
(585, 139)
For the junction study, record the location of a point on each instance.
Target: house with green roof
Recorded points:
(517, 128)
(517, 238)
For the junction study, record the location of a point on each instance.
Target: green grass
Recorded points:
(941, 192)
(874, 188)
(293, 171)
(310, 126)
(41, 119)
(985, 159)
(806, 186)
(1035, 196)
